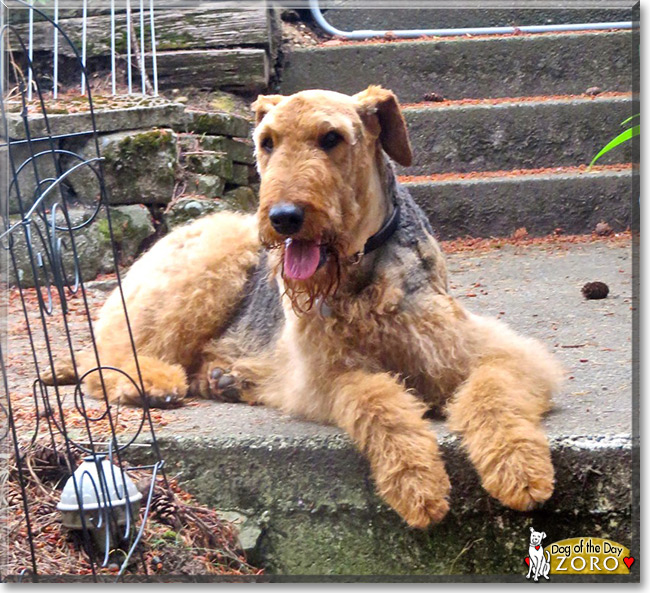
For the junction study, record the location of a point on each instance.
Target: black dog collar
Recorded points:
(380, 237)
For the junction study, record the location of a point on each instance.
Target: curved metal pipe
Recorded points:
(413, 33)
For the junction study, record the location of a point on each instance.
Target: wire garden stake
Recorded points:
(43, 273)
(138, 29)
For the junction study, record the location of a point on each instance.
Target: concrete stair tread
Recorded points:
(498, 203)
(391, 40)
(504, 174)
(352, 14)
(514, 134)
(309, 490)
(505, 100)
(462, 67)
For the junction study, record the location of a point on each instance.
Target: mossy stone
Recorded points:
(130, 226)
(140, 167)
(241, 199)
(238, 150)
(186, 210)
(210, 186)
(240, 174)
(210, 163)
(217, 123)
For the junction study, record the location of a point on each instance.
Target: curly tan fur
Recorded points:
(370, 354)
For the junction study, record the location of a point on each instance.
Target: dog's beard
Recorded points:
(305, 293)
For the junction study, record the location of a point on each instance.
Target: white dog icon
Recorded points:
(538, 565)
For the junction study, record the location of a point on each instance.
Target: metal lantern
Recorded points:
(104, 491)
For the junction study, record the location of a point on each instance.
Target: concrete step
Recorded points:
(535, 133)
(497, 204)
(309, 490)
(459, 68)
(355, 14)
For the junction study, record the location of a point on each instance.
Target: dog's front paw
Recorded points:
(523, 480)
(419, 495)
(224, 385)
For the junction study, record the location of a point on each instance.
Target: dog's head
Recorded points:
(321, 168)
(536, 537)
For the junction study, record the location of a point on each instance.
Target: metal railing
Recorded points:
(415, 33)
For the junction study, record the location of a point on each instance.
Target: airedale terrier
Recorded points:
(331, 304)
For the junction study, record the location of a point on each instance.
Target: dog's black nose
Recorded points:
(287, 219)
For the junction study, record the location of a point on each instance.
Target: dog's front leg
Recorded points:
(498, 413)
(386, 423)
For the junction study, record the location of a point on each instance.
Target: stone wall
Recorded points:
(163, 165)
(166, 160)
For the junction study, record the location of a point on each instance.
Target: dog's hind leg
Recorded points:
(163, 385)
(178, 295)
(498, 411)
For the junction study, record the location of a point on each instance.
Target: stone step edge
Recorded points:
(599, 97)
(520, 174)
(326, 43)
(340, 445)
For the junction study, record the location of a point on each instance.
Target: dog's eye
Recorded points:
(330, 140)
(267, 144)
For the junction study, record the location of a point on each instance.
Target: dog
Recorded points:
(331, 303)
(539, 565)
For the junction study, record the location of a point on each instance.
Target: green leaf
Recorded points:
(629, 119)
(623, 137)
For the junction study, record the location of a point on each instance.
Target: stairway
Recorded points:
(532, 110)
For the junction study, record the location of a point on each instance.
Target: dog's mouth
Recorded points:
(302, 258)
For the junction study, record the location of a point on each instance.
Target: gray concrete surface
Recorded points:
(309, 492)
(484, 207)
(351, 14)
(468, 68)
(516, 135)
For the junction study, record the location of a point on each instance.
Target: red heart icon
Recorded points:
(537, 547)
(527, 560)
(629, 561)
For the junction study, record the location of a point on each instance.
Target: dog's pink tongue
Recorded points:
(301, 259)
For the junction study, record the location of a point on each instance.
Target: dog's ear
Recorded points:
(532, 530)
(380, 112)
(543, 534)
(263, 104)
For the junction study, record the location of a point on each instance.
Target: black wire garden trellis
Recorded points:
(43, 236)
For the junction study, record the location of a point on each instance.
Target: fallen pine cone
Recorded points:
(603, 229)
(435, 97)
(520, 233)
(595, 290)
